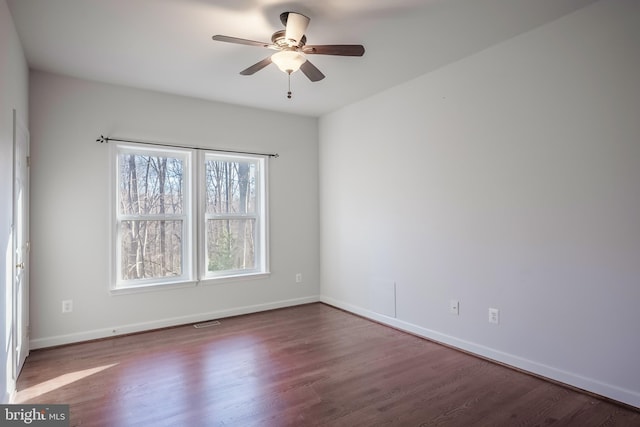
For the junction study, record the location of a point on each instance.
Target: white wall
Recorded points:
(510, 179)
(69, 216)
(13, 95)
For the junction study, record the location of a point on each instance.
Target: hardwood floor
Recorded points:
(301, 366)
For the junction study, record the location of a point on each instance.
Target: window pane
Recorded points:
(231, 244)
(151, 249)
(230, 186)
(150, 184)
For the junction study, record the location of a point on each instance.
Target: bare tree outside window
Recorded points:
(231, 214)
(151, 207)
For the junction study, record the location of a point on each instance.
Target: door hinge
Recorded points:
(28, 161)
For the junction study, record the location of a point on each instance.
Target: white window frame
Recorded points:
(187, 277)
(194, 265)
(262, 259)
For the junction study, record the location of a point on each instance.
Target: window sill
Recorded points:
(218, 280)
(151, 287)
(208, 281)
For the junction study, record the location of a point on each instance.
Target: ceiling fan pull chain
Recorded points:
(289, 93)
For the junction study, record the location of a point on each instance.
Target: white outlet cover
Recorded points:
(494, 315)
(67, 306)
(454, 306)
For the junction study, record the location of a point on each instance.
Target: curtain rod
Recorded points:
(105, 139)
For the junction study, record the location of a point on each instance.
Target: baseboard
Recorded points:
(590, 385)
(164, 323)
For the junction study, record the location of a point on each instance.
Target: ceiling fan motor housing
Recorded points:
(279, 39)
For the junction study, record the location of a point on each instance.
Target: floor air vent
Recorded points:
(206, 324)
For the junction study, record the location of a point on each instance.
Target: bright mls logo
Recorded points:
(34, 415)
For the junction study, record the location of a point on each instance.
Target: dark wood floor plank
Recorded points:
(309, 365)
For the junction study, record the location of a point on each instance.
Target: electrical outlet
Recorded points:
(298, 277)
(67, 306)
(454, 307)
(494, 315)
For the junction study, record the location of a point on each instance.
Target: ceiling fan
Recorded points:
(291, 48)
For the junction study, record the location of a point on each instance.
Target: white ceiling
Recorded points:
(166, 45)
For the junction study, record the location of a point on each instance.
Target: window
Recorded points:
(165, 235)
(233, 212)
(153, 216)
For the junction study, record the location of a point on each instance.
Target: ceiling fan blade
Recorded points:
(256, 67)
(311, 71)
(296, 26)
(335, 49)
(237, 40)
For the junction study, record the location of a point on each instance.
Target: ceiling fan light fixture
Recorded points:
(289, 61)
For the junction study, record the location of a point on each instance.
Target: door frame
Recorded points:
(21, 248)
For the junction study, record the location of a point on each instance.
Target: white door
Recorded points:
(20, 244)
